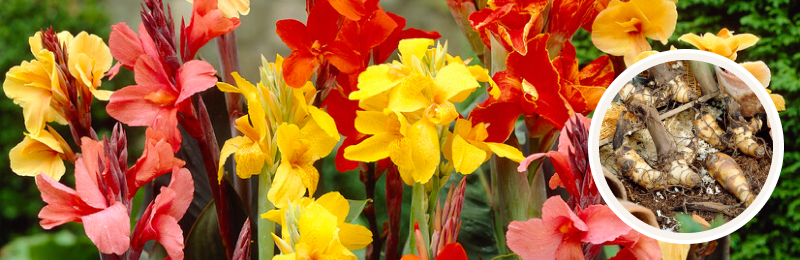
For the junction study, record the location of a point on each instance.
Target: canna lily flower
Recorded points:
(414, 148)
(89, 59)
(43, 153)
(535, 85)
(155, 100)
(622, 28)
(314, 42)
(232, 8)
(207, 23)
(352, 9)
(513, 22)
(466, 147)
(636, 245)
(157, 159)
(451, 251)
(127, 46)
(352, 237)
(35, 86)
(160, 220)
(300, 148)
(559, 234)
(104, 218)
(317, 230)
(724, 43)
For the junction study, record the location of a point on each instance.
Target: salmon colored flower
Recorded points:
(451, 251)
(314, 42)
(43, 153)
(157, 159)
(467, 149)
(232, 8)
(512, 22)
(105, 218)
(559, 234)
(300, 148)
(160, 220)
(155, 99)
(723, 43)
(622, 28)
(316, 229)
(207, 23)
(636, 245)
(352, 237)
(535, 85)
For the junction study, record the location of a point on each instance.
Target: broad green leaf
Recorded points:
(356, 206)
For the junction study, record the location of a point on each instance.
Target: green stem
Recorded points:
(419, 215)
(266, 245)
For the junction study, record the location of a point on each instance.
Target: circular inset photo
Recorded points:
(686, 145)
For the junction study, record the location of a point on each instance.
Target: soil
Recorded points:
(667, 203)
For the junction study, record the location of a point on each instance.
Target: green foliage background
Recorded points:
(772, 234)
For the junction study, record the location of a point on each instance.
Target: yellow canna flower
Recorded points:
(232, 8)
(300, 148)
(89, 59)
(466, 148)
(31, 86)
(414, 148)
(43, 153)
(420, 82)
(352, 237)
(622, 28)
(724, 43)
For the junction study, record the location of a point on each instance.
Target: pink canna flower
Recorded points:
(560, 233)
(207, 22)
(127, 47)
(636, 245)
(94, 202)
(157, 159)
(160, 220)
(155, 100)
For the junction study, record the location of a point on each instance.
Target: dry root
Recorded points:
(633, 166)
(709, 130)
(689, 152)
(728, 173)
(744, 140)
(681, 92)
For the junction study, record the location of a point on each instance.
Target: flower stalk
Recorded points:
(266, 245)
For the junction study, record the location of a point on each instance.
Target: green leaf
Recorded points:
(688, 225)
(203, 240)
(356, 206)
(507, 257)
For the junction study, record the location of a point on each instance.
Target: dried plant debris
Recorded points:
(679, 145)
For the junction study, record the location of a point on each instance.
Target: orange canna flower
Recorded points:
(623, 27)
(511, 21)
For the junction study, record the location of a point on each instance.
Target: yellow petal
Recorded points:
(409, 95)
(506, 151)
(466, 157)
(99, 94)
(285, 248)
(423, 142)
(316, 142)
(287, 137)
(410, 48)
(89, 59)
(456, 82)
(372, 149)
(644, 54)
(354, 237)
(286, 187)
(324, 121)
(309, 176)
(249, 160)
(670, 251)
(637, 46)
(373, 81)
(441, 113)
(759, 70)
(780, 103)
(371, 122)
(661, 17)
(229, 148)
(744, 41)
(317, 226)
(336, 204)
(225, 87)
(693, 39)
(31, 157)
(275, 215)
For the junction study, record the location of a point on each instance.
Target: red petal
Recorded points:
(149, 71)
(166, 121)
(323, 22)
(343, 58)
(343, 112)
(534, 239)
(298, 67)
(570, 249)
(637, 246)
(536, 68)
(566, 16)
(63, 203)
(555, 182)
(129, 106)
(352, 9)
(294, 34)
(500, 114)
(87, 174)
(206, 23)
(603, 225)
(170, 236)
(378, 28)
(109, 229)
(124, 45)
(157, 159)
(195, 76)
(452, 251)
(481, 19)
(343, 164)
(382, 52)
(183, 186)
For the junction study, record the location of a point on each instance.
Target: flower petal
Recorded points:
(195, 76)
(371, 149)
(506, 151)
(109, 229)
(603, 224)
(466, 157)
(354, 237)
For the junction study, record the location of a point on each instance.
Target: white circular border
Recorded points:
(708, 235)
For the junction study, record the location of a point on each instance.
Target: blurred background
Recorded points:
(773, 233)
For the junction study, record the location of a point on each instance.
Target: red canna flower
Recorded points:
(160, 220)
(94, 202)
(155, 100)
(451, 251)
(207, 22)
(559, 234)
(565, 18)
(513, 22)
(127, 47)
(534, 85)
(314, 42)
(157, 159)
(383, 51)
(636, 245)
